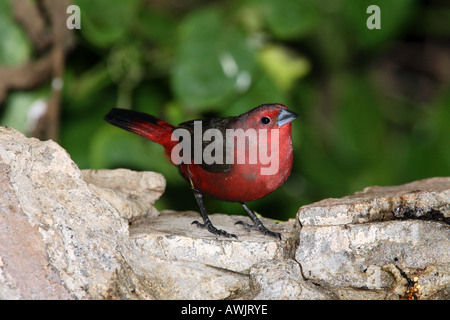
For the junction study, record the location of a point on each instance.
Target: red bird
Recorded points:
(257, 164)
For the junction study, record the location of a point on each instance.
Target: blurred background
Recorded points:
(374, 104)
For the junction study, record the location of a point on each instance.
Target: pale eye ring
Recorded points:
(265, 120)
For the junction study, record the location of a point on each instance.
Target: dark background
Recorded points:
(374, 105)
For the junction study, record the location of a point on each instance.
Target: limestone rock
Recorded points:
(24, 268)
(131, 193)
(66, 238)
(58, 239)
(181, 261)
(71, 234)
(360, 244)
(428, 199)
(283, 280)
(171, 236)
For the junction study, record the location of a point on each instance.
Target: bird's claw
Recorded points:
(261, 228)
(214, 230)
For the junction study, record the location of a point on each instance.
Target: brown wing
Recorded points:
(217, 123)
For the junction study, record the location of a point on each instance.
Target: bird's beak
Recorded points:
(286, 116)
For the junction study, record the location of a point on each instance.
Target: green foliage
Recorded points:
(105, 22)
(395, 15)
(288, 19)
(210, 60)
(15, 48)
(358, 126)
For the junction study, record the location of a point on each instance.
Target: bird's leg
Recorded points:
(257, 224)
(206, 222)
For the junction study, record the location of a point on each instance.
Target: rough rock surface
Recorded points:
(383, 242)
(131, 193)
(179, 261)
(71, 234)
(56, 218)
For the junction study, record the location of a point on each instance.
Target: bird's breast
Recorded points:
(244, 182)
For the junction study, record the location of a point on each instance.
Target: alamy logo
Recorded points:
(74, 20)
(374, 20)
(241, 147)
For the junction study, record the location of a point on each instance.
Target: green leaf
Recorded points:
(283, 66)
(360, 130)
(15, 47)
(289, 19)
(393, 16)
(79, 89)
(157, 27)
(214, 61)
(113, 147)
(262, 91)
(104, 22)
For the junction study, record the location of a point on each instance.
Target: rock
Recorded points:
(428, 199)
(364, 241)
(24, 268)
(181, 261)
(131, 193)
(171, 236)
(63, 237)
(71, 234)
(283, 280)
(58, 239)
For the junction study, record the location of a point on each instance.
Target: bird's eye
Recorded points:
(265, 120)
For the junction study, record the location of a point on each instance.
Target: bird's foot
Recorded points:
(261, 228)
(218, 232)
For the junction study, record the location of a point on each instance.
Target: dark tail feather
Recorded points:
(143, 124)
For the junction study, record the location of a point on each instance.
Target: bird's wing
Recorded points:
(221, 124)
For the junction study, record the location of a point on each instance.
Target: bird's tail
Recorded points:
(144, 125)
